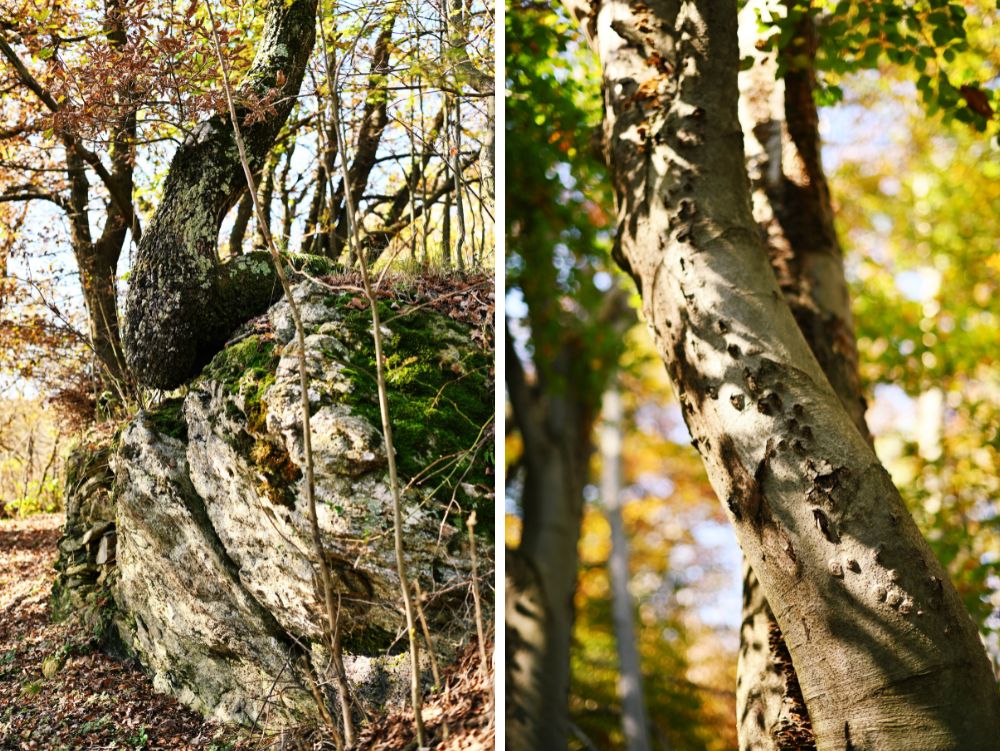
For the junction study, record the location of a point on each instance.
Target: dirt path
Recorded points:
(92, 701)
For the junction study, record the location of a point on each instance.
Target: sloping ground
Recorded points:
(93, 701)
(89, 700)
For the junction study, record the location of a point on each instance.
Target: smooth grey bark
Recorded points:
(183, 302)
(791, 203)
(882, 646)
(635, 724)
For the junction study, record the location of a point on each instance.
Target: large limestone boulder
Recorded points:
(216, 582)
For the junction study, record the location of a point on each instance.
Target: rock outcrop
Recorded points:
(215, 584)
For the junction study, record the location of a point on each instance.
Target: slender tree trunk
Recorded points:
(882, 646)
(97, 260)
(541, 573)
(457, 174)
(791, 203)
(374, 118)
(266, 195)
(634, 722)
(182, 303)
(446, 228)
(98, 276)
(243, 212)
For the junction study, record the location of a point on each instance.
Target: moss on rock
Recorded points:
(440, 389)
(168, 418)
(247, 368)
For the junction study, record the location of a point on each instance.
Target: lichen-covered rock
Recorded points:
(88, 544)
(216, 568)
(196, 629)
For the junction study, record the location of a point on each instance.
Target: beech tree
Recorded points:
(882, 647)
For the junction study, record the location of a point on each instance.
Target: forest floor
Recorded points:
(94, 702)
(91, 701)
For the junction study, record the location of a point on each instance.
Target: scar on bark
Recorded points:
(795, 730)
(745, 499)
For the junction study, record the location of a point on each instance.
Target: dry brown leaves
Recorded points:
(469, 299)
(93, 701)
(465, 705)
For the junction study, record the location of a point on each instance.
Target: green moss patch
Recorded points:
(440, 388)
(310, 264)
(247, 367)
(168, 418)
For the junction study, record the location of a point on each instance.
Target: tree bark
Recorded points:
(243, 211)
(791, 204)
(882, 646)
(541, 573)
(374, 118)
(378, 240)
(97, 261)
(182, 302)
(266, 196)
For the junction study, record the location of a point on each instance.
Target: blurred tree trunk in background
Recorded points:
(555, 421)
(634, 722)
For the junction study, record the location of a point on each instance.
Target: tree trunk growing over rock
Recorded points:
(182, 302)
(882, 646)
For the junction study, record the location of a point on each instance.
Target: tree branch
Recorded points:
(123, 202)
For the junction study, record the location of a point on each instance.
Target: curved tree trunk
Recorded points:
(883, 648)
(182, 302)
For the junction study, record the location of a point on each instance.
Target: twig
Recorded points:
(324, 569)
(383, 402)
(427, 634)
(483, 662)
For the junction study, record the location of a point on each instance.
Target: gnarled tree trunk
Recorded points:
(182, 302)
(882, 646)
